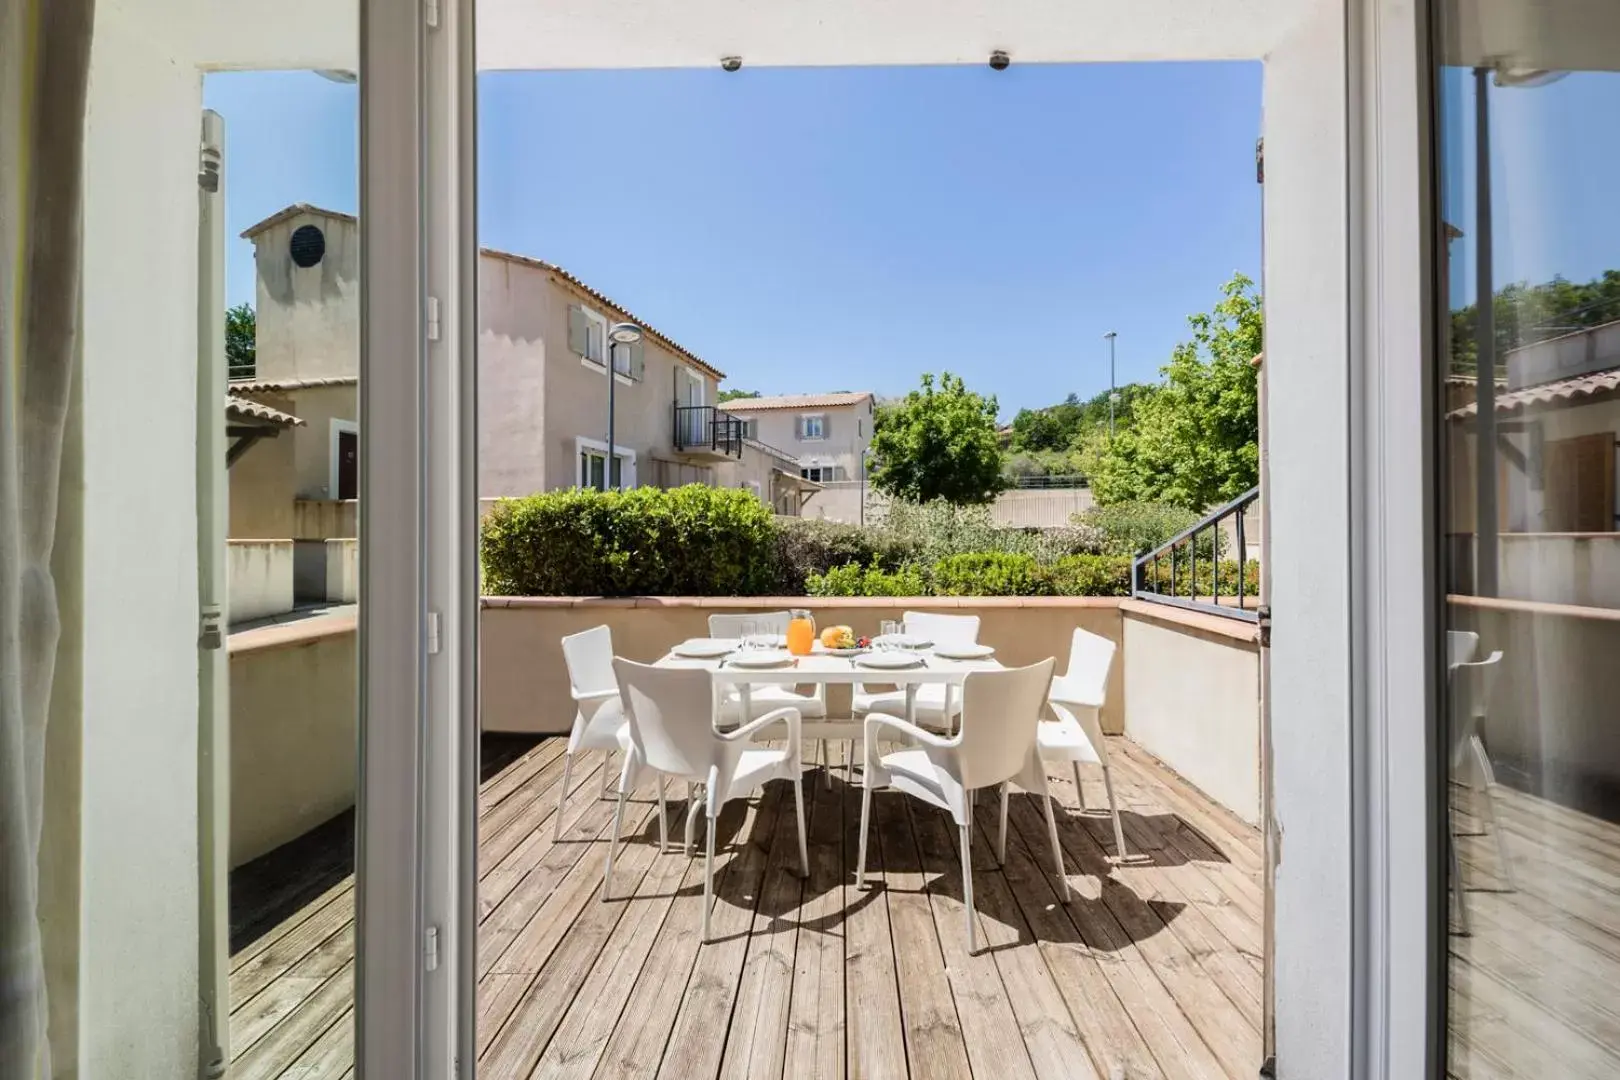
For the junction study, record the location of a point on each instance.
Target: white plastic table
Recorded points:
(823, 668)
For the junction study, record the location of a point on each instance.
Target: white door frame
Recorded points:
(1346, 280)
(418, 535)
(338, 428)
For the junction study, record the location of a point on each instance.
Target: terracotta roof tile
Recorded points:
(239, 408)
(796, 401)
(270, 386)
(1563, 390)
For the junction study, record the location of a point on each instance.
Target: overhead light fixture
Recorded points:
(624, 333)
(999, 60)
(338, 75)
(1506, 75)
(730, 63)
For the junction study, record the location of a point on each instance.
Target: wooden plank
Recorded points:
(637, 1044)
(875, 1033)
(1176, 1044)
(1539, 1035)
(1237, 840)
(934, 1039)
(594, 967)
(1013, 1019)
(518, 774)
(512, 940)
(271, 963)
(756, 1042)
(524, 831)
(245, 956)
(697, 1040)
(272, 1007)
(329, 1056)
(271, 1056)
(1080, 973)
(815, 1037)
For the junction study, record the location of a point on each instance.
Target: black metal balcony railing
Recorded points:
(704, 427)
(1205, 562)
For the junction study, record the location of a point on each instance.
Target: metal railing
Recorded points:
(704, 427)
(1205, 539)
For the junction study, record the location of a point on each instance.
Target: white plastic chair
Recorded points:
(764, 697)
(1461, 645)
(1077, 698)
(671, 714)
(1471, 687)
(995, 746)
(600, 723)
(931, 700)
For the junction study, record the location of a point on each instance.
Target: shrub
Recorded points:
(1184, 585)
(1091, 575)
(993, 573)
(857, 580)
(808, 546)
(693, 540)
(939, 530)
(1135, 528)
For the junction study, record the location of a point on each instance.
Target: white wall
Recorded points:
(1307, 370)
(260, 578)
(343, 571)
(139, 923)
(1192, 699)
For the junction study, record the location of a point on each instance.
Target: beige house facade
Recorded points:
(827, 434)
(543, 391)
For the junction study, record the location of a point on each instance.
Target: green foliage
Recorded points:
(1198, 583)
(1526, 313)
(992, 573)
(938, 443)
(1135, 528)
(689, 541)
(734, 395)
(241, 337)
(857, 580)
(1091, 575)
(939, 530)
(806, 546)
(1063, 428)
(1195, 441)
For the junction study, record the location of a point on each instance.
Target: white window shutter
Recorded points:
(638, 360)
(579, 331)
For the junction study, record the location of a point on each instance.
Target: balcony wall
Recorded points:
(325, 519)
(1184, 686)
(259, 574)
(294, 731)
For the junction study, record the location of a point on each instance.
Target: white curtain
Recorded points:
(44, 61)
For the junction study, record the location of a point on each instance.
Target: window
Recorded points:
(750, 429)
(593, 466)
(587, 334)
(813, 427)
(821, 474)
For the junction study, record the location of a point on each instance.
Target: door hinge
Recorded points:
(432, 633)
(430, 949)
(430, 12)
(1264, 612)
(210, 634)
(433, 318)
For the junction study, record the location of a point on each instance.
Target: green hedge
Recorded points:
(688, 541)
(985, 574)
(808, 546)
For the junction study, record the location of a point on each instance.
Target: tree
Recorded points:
(241, 334)
(1526, 313)
(938, 443)
(733, 395)
(1195, 441)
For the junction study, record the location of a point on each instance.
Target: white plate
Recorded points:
(902, 641)
(842, 652)
(704, 648)
(966, 651)
(889, 661)
(761, 660)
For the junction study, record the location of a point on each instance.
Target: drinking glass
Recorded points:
(887, 629)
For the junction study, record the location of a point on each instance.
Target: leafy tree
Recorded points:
(1526, 313)
(733, 395)
(1195, 441)
(241, 332)
(938, 443)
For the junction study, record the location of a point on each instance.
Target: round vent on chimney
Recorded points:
(308, 245)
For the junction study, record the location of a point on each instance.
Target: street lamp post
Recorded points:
(1113, 394)
(623, 333)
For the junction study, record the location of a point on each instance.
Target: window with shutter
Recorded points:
(638, 361)
(1578, 482)
(579, 331)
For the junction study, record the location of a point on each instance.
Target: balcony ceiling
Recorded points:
(810, 33)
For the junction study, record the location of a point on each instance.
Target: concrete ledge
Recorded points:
(812, 603)
(287, 635)
(259, 576)
(1239, 630)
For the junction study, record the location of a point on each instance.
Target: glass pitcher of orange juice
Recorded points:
(801, 632)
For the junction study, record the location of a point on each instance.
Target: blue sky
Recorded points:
(838, 228)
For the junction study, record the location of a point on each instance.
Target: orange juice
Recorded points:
(801, 634)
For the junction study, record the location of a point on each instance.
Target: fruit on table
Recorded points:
(838, 637)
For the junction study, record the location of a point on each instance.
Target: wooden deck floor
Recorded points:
(1153, 970)
(1534, 984)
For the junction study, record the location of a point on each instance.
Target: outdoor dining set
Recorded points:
(728, 713)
